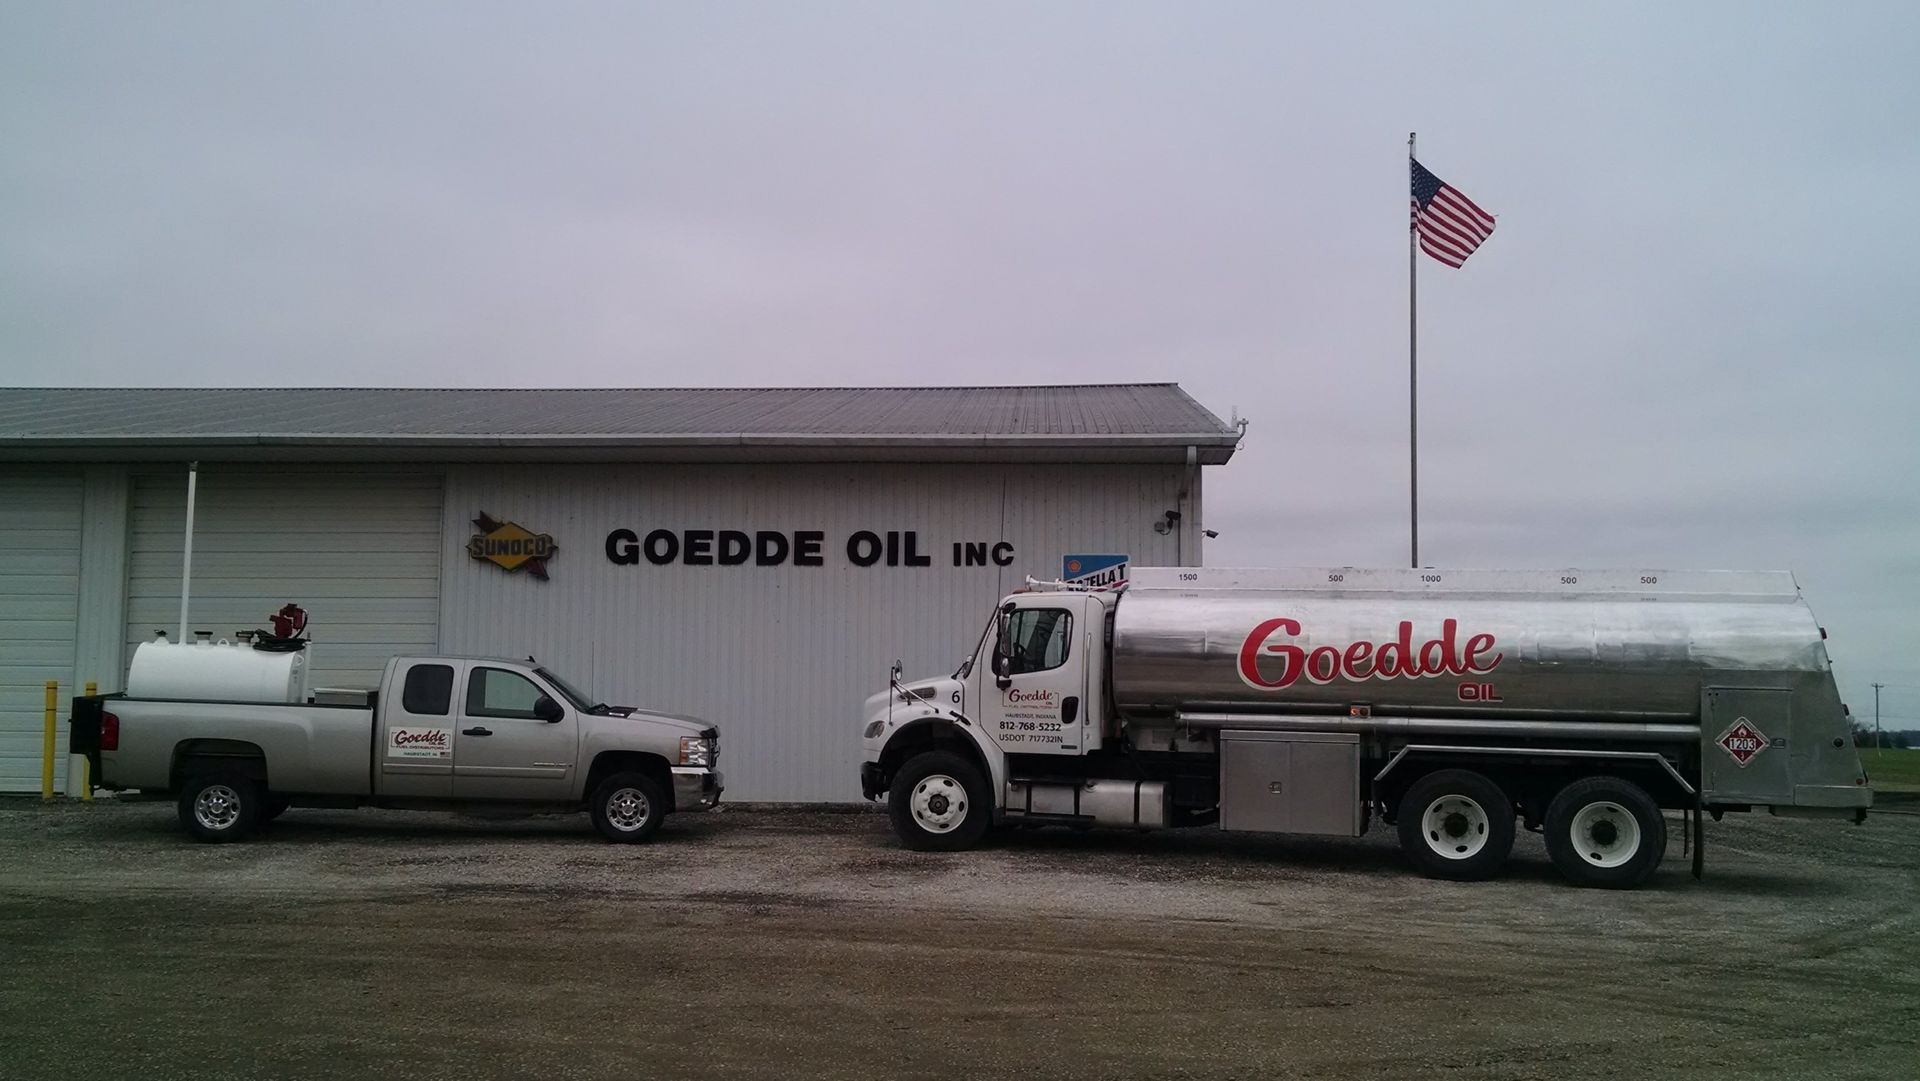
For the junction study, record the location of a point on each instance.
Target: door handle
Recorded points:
(1070, 709)
(476, 731)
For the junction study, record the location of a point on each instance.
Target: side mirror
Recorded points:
(896, 670)
(547, 709)
(1002, 668)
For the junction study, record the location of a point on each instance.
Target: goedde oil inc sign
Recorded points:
(797, 548)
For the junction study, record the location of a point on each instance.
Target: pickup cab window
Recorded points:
(428, 691)
(496, 692)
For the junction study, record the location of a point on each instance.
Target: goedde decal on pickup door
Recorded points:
(419, 743)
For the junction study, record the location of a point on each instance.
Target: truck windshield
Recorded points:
(581, 701)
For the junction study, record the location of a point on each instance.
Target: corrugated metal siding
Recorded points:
(359, 549)
(100, 647)
(780, 657)
(40, 520)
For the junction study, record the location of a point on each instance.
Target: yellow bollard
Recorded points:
(86, 764)
(46, 742)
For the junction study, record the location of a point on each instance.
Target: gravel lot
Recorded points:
(757, 944)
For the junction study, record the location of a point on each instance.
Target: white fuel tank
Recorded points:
(219, 671)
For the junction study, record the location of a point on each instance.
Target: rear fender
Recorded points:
(195, 754)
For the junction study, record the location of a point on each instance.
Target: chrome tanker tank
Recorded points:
(1568, 643)
(1702, 657)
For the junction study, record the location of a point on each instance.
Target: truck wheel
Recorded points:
(1605, 833)
(1456, 824)
(220, 806)
(627, 808)
(939, 803)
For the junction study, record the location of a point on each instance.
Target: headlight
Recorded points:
(696, 751)
(874, 729)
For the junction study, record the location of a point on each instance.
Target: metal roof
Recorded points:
(1122, 422)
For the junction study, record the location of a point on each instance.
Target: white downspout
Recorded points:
(186, 555)
(1180, 504)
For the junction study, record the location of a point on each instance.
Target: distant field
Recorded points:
(1892, 769)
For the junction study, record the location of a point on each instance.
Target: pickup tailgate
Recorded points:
(83, 731)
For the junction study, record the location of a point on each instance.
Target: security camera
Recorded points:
(1210, 533)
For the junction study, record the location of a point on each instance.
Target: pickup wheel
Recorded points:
(1605, 833)
(1456, 824)
(939, 803)
(627, 808)
(221, 805)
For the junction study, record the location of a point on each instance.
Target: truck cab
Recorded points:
(1032, 697)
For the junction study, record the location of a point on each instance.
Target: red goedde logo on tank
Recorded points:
(1400, 657)
(1743, 741)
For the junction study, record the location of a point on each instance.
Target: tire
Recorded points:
(627, 808)
(1457, 825)
(1605, 833)
(222, 805)
(939, 802)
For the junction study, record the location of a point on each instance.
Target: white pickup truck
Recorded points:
(440, 733)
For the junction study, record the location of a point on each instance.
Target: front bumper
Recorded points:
(872, 782)
(696, 788)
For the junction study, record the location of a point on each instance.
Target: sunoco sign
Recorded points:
(511, 546)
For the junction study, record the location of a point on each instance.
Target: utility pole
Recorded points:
(1876, 715)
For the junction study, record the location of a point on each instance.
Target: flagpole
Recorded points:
(1413, 381)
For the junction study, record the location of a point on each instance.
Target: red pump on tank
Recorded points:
(289, 621)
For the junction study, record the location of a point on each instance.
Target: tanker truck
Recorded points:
(1453, 705)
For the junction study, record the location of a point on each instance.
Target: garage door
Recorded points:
(359, 550)
(39, 598)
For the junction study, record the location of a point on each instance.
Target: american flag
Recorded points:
(1450, 226)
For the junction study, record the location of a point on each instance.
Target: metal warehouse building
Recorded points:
(754, 557)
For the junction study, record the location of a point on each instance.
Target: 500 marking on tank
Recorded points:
(1398, 658)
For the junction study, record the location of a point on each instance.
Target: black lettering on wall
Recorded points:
(806, 547)
(1002, 554)
(914, 558)
(863, 548)
(769, 548)
(735, 547)
(661, 547)
(699, 547)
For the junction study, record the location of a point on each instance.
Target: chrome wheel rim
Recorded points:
(1455, 827)
(217, 807)
(1605, 834)
(939, 803)
(628, 809)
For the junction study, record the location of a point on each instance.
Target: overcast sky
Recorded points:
(1691, 341)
